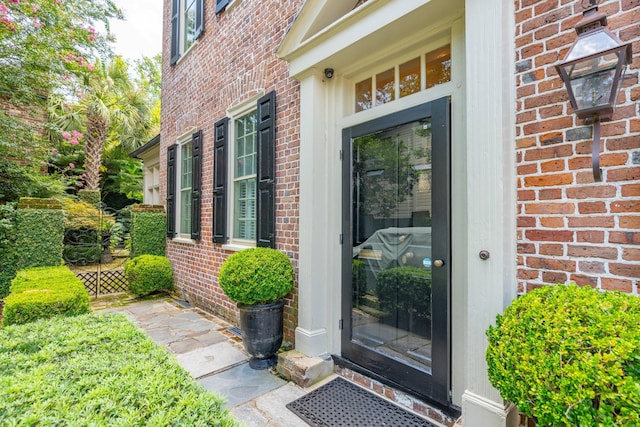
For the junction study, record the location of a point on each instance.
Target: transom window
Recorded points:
(245, 155)
(415, 75)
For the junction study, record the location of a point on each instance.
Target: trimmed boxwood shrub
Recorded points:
(148, 273)
(97, 370)
(43, 292)
(39, 233)
(148, 233)
(569, 356)
(256, 276)
(405, 290)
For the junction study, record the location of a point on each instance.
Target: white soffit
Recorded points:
(366, 29)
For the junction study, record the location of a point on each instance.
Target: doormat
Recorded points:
(341, 403)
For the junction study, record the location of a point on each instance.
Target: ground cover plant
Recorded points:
(97, 370)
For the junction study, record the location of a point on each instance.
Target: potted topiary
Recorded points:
(569, 356)
(257, 279)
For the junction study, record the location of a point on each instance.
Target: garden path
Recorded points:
(215, 358)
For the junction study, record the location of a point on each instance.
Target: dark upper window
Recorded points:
(187, 25)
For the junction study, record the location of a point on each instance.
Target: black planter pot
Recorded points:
(261, 327)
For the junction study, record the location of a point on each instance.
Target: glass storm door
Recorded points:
(396, 258)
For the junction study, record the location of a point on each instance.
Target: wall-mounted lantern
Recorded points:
(592, 71)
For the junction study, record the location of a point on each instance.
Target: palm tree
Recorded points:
(109, 107)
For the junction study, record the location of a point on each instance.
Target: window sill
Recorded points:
(236, 247)
(184, 240)
(184, 54)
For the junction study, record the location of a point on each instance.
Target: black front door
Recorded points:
(396, 259)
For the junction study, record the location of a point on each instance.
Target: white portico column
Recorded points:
(313, 279)
(491, 197)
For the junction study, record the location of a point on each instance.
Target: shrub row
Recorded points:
(97, 371)
(45, 292)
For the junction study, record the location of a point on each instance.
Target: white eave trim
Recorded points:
(367, 26)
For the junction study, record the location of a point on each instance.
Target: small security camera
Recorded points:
(328, 72)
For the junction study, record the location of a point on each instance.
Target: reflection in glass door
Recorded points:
(396, 259)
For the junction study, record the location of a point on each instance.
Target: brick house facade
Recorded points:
(519, 185)
(570, 228)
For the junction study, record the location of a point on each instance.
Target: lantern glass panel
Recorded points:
(592, 81)
(590, 44)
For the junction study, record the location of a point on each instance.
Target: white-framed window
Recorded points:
(184, 185)
(187, 25)
(152, 184)
(244, 174)
(244, 177)
(184, 181)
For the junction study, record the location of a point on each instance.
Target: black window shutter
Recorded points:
(220, 181)
(199, 18)
(196, 183)
(220, 5)
(175, 31)
(266, 206)
(171, 190)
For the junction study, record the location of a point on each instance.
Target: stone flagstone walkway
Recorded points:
(216, 359)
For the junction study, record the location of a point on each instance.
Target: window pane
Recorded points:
(245, 157)
(245, 154)
(363, 95)
(438, 66)
(185, 170)
(189, 23)
(185, 211)
(410, 77)
(245, 209)
(384, 87)
(186, 176)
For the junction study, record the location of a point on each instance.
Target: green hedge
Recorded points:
(148, 233)
(148, 273)
(45, 292)
(405, 294)
(39, 234)
(7, 247)
(569, 356)
(97, 371)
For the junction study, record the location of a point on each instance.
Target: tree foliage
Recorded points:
(44, 46)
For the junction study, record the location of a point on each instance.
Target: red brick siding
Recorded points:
(571, 229)
(233, 60)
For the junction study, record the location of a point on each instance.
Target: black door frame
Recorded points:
(436, 385)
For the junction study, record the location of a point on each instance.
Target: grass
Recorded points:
(97, 370)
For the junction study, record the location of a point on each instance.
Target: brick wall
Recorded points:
(233, 60)
(570, 228)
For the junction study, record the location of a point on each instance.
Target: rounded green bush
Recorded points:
(148, 273)
(569, 356)
(256, 276)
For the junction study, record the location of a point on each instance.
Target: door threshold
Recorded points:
(421, 404)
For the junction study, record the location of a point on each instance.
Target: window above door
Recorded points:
(412, 76)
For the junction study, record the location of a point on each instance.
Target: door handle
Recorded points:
(438, 263)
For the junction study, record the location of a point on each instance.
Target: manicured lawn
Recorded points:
(97, 370)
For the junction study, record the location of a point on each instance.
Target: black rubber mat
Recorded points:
(341, 403)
